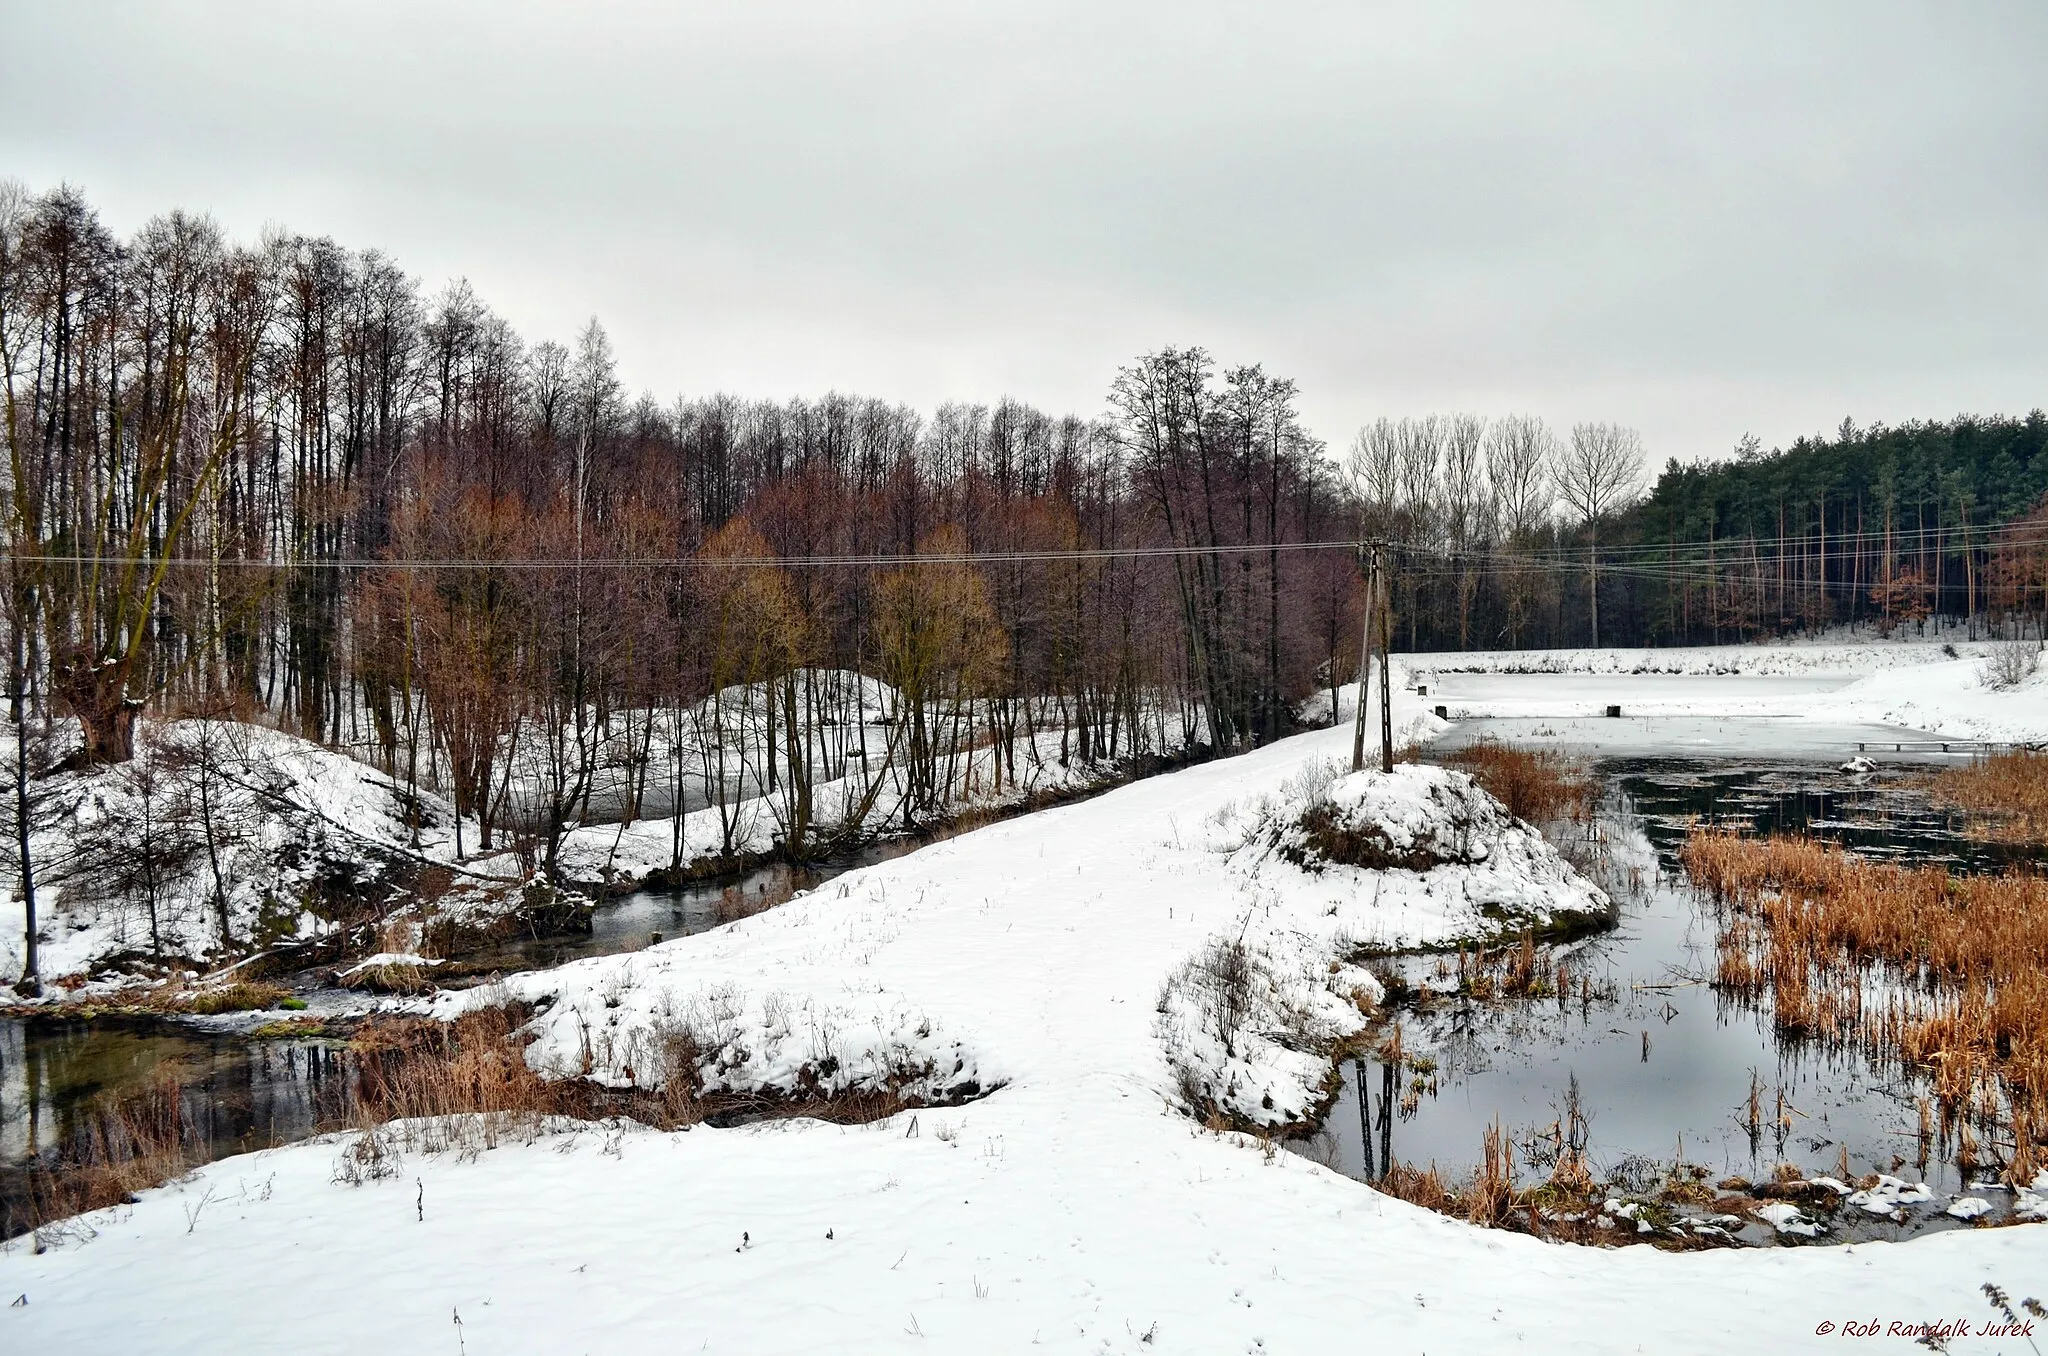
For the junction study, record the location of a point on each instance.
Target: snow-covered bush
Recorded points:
(2010, 663)
(1249, 1037)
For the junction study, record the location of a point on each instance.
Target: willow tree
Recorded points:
(752, 630)
(941, 647)
(98, 547)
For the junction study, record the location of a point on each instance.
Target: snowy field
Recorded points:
(1076, 1208)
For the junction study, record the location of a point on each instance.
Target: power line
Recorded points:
(1643, 559)
(693, 562)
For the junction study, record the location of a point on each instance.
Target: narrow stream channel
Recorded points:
(236, 1093)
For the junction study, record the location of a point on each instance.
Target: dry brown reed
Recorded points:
(736, 901)
(1492, 1197)
(1947, 974)
(1518, 970)
(1421, 1186)
(2005, 796)
(1539, 786)
(120, 1146)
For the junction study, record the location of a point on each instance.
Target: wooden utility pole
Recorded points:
(1369, 559)
(1376, 619)
(1380, 570)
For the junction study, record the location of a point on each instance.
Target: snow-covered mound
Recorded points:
(1420, 856)
(220, 839)
(700, 1009)
(1956, 699)
(1336, 869)
(1416, 816)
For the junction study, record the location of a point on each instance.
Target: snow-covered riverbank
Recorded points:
(1078, 1207)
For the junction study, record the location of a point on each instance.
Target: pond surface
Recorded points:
(1664, 1065)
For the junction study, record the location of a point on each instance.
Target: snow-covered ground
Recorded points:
(1076, 1208)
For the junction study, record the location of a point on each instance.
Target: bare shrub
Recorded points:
(2010, 663)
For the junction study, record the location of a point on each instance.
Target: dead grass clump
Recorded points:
(1538, 786)
(394, 977)
(1960, 990)
(1492, 1196)
(736, 901)
(2005, 796)
(120, 1146)
(1329, 833)
(1419, 1186)
(246, 996)
(1516, 971)
(416, 1068)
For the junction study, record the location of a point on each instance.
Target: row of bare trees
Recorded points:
(280, 480)
(1483, 508)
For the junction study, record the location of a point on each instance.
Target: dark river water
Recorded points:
(235, 1093)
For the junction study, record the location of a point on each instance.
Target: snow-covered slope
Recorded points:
(219, 839)
(1078, 1208)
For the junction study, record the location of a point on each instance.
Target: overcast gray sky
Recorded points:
(1696, 218)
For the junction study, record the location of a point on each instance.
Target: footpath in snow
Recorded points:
(1077, 1207)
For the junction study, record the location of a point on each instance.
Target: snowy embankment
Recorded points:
(624, 854)
(1077, 1208)
(219, 840)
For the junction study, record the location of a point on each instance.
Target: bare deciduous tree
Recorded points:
(1599, 473)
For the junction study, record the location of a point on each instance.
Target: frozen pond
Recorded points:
(1704, 736)
(1714, 716)
(1557, 692)
(1665, 1066)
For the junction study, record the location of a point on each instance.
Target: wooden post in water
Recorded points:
(1364, 1114)
(1386, 1119)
